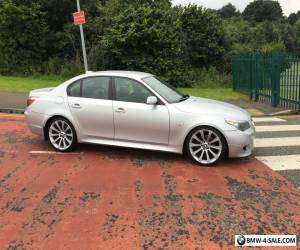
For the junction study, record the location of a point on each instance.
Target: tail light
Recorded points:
(30, 100)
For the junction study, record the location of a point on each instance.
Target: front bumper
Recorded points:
(240, 143)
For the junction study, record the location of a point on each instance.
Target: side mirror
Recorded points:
(152, 100)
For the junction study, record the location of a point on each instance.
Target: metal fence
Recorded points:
(271, 78)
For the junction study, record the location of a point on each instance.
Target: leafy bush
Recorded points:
(263, 10)
(185, 45)
(211, 78)
(72, 68)
(147, 39)
(53, 66)
(22, 32)
(273, 47)
(63, 67)
(204, 36)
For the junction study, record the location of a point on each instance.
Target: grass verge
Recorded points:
(215, 93)
(26, 84)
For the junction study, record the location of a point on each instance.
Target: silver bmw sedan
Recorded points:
(135, 109)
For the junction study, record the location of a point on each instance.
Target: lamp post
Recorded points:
(82, 41)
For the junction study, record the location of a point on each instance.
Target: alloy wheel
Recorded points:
(205, 146)
(61, 135)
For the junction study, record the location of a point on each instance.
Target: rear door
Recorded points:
(90, 103)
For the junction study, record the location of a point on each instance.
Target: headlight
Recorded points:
(240, 125)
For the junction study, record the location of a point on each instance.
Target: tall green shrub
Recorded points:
(148, 39)
(22, 32)
(204, 36)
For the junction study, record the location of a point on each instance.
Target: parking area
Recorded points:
(100, 197)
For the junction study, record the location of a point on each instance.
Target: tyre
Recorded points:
(206, 145)
(62, 135)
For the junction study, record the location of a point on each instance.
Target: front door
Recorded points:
(91, 106)
(134, 120)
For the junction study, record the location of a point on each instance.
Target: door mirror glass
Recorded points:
(152, 100)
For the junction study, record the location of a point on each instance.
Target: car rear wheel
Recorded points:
(62, 134)
(206, 145)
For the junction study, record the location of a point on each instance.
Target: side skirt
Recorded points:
(128, 144)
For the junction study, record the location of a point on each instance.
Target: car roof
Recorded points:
(120, 73)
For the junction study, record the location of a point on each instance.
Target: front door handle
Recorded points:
(120, 110)
(76, 106)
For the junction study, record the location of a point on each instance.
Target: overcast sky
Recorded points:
(288, 6)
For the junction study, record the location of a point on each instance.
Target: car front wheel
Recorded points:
(206, 145)
(61, 134)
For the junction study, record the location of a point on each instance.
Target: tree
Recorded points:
(228, 11)
(296, 30)
(204, 36)
(294, 17)
(147, 39)
(263, 10)
(22, 32)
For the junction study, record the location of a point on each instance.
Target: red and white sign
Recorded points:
(79, 18)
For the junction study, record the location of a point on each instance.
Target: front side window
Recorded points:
(128, 90)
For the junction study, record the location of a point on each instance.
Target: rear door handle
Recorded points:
(76, 106)
(120, 110)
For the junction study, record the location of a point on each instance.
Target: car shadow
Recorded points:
(140, 156)
(137, 155)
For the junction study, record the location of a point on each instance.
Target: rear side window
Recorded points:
(96, 88)
(92, 87)
(74, 89)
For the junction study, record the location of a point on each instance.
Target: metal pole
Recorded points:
(82, 42)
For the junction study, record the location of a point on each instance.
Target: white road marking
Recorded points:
(11, 115)
(277, 142)
(281, 162)
(277, 128)
(267, 119)
(54, 153)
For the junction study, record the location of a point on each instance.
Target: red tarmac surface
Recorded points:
(110, 198)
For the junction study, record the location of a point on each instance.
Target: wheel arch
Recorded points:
(206, 126)
(47, 123)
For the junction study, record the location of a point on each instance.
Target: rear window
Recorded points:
(91, 87)
(74, 89)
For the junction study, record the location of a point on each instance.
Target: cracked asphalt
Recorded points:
(111, 198)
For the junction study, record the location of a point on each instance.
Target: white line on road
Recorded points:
(2, 115)
(54, 153)
(281, 162)
(277, 128)
(267, 119)
(277, 142)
